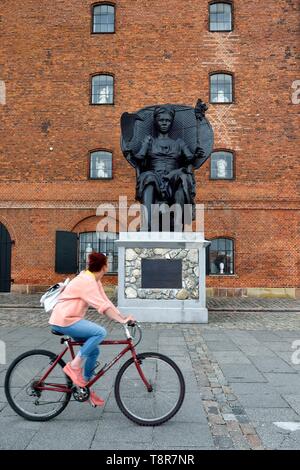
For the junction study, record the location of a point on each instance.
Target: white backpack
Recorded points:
(51, 296)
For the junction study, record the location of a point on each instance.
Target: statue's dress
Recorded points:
(163, 162)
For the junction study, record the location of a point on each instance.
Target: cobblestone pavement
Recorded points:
(214, 304)
(239, 375)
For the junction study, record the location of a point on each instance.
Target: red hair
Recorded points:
(96, 261)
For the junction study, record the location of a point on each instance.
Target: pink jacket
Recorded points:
(82, 291)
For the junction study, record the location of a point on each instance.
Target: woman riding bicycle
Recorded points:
(68, 318)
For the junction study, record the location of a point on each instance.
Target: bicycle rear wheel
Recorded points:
(155, 407)
(21, 379)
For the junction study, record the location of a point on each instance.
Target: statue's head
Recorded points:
(163, 118)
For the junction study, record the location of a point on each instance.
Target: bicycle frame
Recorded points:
(70, 345)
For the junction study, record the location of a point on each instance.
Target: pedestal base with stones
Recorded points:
(142, 296)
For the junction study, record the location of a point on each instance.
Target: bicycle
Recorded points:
(149, 387)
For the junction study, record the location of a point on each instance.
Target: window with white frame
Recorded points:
(102, 89)
(220, 16)
(221, 165)
(100, 242)
(220, 255)
(100, 165)
(221, 88)
(103, 18)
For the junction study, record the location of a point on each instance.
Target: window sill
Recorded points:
(100, 179)
(222, 102)
(221, 179)
(223, 275)
(102, 104)
(220, 30)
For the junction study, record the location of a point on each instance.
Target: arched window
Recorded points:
(221, 165)
(221, 88)
(220, 255)
(220, 16)
(100, 164)
(102, 89)
(101, 242)
(103, 18)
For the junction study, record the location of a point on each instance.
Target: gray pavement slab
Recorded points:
(57, 435)
(185, 434)
(293, 400)
(242, 338)
(222, 345)
(271, 415)
(257, 350)
(265, 336)
(117, 428)
(242, 373)
(277, 438)
(254, 388)
(278, 346)
(191, 410)
(271, 365)
(287, 357)
(271, 400)
(284, 383)
(231, 357)
(16, 433)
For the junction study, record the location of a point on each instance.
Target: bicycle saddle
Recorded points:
(54, 332)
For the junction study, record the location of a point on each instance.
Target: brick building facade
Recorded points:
(154, 52)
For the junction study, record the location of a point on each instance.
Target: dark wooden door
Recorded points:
(5, 259)
(66, 252)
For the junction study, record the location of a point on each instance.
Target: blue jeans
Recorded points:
(92, 335)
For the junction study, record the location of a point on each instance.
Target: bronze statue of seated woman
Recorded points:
(163, 160)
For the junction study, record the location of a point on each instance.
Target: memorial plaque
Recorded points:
(161, 273)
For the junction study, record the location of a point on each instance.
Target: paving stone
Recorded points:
(221, 346)
(53, 435)
(255, 388)
(215, 418)
(16, 433)
(247, 429)
(271, 436)
(239, 441)
(284, 383)
(242, 338)
(280, 346)
(264, 336)
(231, 357)
(242, 373)
(191, 410)
(271, 365)
(271, 415)
(117, 428)
(190, 434)
(223, 442)
(98, 445)
(259, 351)
(264, 401)
(293, 400)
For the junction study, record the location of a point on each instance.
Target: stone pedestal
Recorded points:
(162, 276)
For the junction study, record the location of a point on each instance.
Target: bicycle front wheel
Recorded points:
(162, 402)
(21, 388)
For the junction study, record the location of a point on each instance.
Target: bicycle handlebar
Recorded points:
(132, 325)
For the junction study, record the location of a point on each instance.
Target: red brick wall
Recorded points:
(161, 52)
